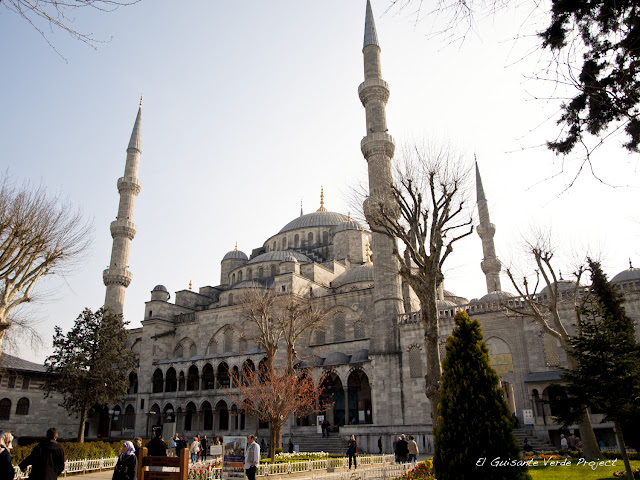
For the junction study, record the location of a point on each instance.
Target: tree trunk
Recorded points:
(83, 419)
(431, 340)
(274, 428)
(587, 435)
(623, 450)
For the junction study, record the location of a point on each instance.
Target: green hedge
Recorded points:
(73, 450)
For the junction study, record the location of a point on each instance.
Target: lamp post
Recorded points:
(149, 414)
(110, 420)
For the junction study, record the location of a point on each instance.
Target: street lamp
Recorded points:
(149, 415)
(110, 419)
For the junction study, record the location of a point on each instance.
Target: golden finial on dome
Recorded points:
(140, 99)
(189, 284)
(349, 216)
(301, 213)
(322, 209)
(368, 252)
(235, 249)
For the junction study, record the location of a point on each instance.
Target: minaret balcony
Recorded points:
(123, 228)
(116, 276)
(377, 143)
(373, 89)
(129, 185)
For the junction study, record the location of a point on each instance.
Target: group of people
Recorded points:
(405, 449)
(46, 458)
(325, 426)
(198, 450)
(571, 443)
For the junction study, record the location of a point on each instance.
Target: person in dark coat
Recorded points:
(156, 446)
(402, 448)
(127, 466)
(379, 445)
(46, 458)
(352, 451)
(204, 445)
(6, 467)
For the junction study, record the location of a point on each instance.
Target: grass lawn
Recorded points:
(578, 472)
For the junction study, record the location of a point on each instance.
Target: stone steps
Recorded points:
(535, 443)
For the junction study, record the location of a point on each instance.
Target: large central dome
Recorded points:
(315, 219)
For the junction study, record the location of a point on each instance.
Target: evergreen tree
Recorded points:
(607, 377)
(474, 426)
(91, 364)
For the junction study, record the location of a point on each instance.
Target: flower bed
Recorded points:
(422, 471)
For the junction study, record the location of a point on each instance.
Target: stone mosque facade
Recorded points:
(190, 346)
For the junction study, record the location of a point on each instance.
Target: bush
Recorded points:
(73, 450)
(422, 471)
(632, 455)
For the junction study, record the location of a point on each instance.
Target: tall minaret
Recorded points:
(118, 277)
(378, 148)
(490, 264)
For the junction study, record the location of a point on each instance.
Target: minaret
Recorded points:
(118, 277)
(378, 148)
(486, 230)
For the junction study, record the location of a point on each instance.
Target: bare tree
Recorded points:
(545, 310)
(57, 15)
(39, 236)
(273, 395)
(430, 215)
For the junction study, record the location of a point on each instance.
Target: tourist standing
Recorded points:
(251, 457)
(172, 445)
(137, 445)
(46, 458)
(380, 445)
(402, 448)
(127, 466)
(563, 443)
(156, 447)
(413, 450)
(352, 451)
(204, 446)
(194, 449)
(290, 445)
(6, 467)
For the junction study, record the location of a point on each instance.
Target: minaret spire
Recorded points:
(490, 265)
(118, 277)
(378, 148)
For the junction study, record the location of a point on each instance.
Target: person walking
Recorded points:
(379, 445)
(156, 446)
(127, 466)
(413, 449)
(251, 457)
(6, 467)
(204, 446)
(46, 458)
(194, 449)
(290, 445)
(352, 451)
(402, 448)
(173, 445)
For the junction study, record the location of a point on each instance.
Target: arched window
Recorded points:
(171, 380)
(235, 377)
(12, 380)
(228, 340)
(233, 278)
(193, 379)
(179, 351)
(5, 409)
(284, 243)
(188, 416)
(208, 379)
(223, 416)
(320, 337)
(240, 276)
(310, 238)
(273, 270)
(26, 381)
(338, 327)
(223, 375)
(260, 272)
(129, 417)
(325, 237)
(133, 383)
(249, 274)
(415, 362)
(22, 408)
(359, 332)
(207, 414)
(193, 351)
(213, 347)
(296, 241)
(157, 381)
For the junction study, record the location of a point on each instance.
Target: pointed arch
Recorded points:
(223, 375)
(207, 416)
(359, 398)
(208, 377)
(415, 361)
(193, 378)
(157, 381)
(222, 413)
(189, 414)
(171, 380)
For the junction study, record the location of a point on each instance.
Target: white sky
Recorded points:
(250, 106)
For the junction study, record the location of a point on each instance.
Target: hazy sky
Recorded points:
(251, 106)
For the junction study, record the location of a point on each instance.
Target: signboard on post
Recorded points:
(233, 449)
(319, 424)
(527, 413)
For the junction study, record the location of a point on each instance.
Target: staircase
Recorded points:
(537, 445)
(316, 443)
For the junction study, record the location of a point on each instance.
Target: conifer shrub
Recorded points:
(474, 426)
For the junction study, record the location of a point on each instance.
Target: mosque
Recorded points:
(190, 346)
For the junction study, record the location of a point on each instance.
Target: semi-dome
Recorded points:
(363, 273)
(350, 224)
(160, 288)
(629, 275)
(279, 256)
(235, 255)
(496, 296)
(315, 219)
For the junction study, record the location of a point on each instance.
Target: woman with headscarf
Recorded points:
(6, 468)
(127, 466)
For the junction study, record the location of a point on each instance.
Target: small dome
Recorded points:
(629, 275)
(496, 296)
(315, 219)
(235, 255)
(563, 286)
(363, 273)
(349, 225)
(445, 304)
(160, 288)
(279, 256)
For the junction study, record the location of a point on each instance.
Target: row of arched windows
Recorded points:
(301, 240)
(340, 330)
(222, 377)
(247, 273)
(11, 381)
(22, 408)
